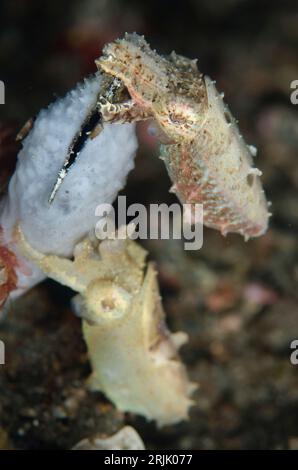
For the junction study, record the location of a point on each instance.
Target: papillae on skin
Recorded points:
(133, 355)
(204, 152)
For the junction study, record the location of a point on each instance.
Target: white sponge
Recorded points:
(98, 174)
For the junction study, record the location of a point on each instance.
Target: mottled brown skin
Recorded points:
(171, 89)
(206, 157)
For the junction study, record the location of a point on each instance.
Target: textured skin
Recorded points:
(206, 156)
(134, 356)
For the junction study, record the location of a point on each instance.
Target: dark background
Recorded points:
(238, 301)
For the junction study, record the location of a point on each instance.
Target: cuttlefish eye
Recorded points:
(176, 118)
